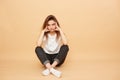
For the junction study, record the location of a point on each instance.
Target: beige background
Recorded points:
(91, 26)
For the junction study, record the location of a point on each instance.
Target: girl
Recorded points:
(52, 46)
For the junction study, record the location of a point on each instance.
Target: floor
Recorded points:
(79, 66)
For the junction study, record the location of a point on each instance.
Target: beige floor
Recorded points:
(78, 65)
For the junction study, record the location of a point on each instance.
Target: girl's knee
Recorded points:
(66, 47)
(38, 48)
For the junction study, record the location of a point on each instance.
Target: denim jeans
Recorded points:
(50, 58)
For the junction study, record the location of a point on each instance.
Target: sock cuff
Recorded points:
(58, 61)
(47, 61)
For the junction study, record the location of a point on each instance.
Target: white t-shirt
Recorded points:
(52, 45)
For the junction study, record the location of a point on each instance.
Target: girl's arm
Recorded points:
(63, 37)
(64, 40)
(40, 39)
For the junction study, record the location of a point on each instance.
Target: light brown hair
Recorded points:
(48, 18)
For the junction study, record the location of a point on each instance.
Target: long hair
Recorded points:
(48, 18)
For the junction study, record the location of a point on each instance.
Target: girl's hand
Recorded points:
(57, 28)
(46, 29)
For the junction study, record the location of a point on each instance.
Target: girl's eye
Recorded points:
(53, 24)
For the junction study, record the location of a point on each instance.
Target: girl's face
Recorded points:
(51, 26)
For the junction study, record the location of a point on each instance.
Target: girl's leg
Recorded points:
(42, 57)
(50, 68)
(54, 64)
(60, 58)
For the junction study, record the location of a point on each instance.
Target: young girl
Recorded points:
(52, 46)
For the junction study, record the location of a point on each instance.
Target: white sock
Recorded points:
(55, 72)
(46, 72)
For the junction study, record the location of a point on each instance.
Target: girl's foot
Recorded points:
(55, 72)
(46, 72)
